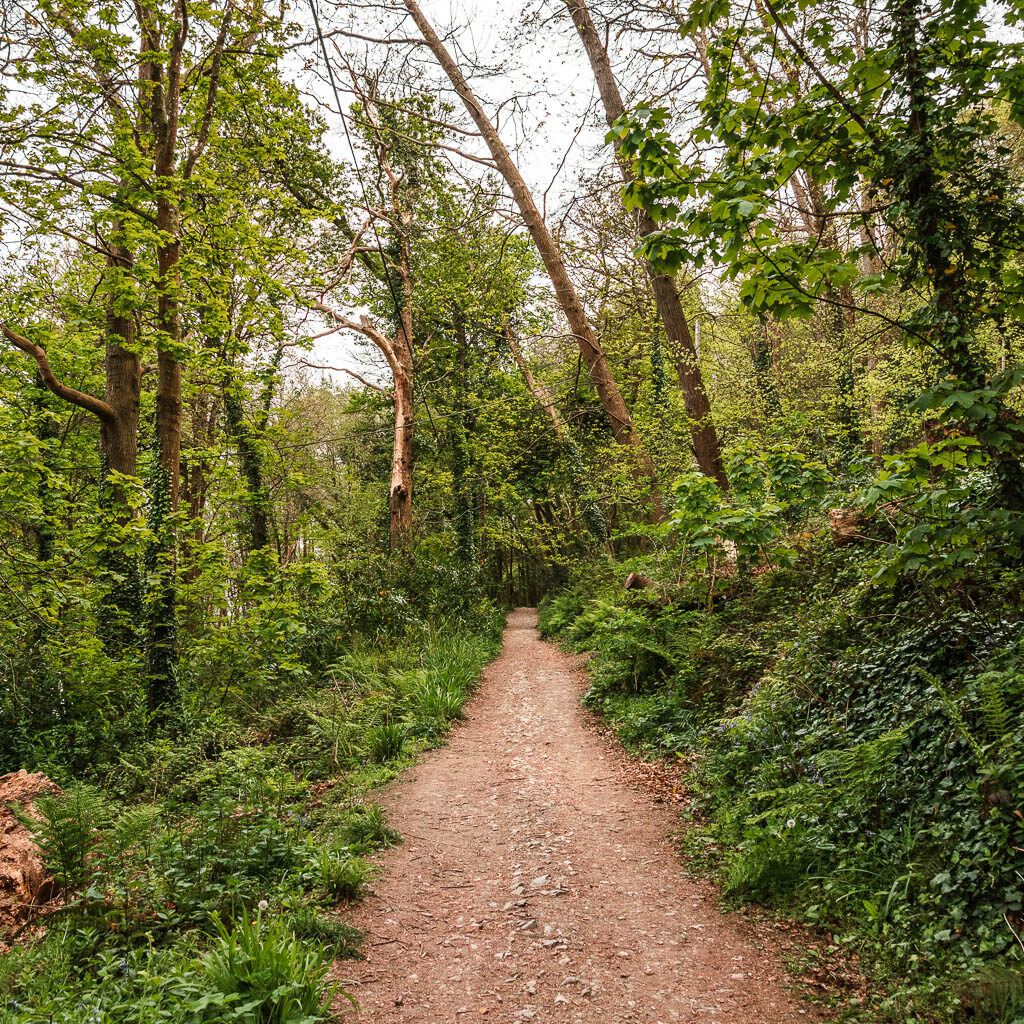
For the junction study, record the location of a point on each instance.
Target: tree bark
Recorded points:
(601, 376)
(46, 431)
(398, 354)
(540, 391)
(706, 447)
(165, 97)
(251, 464)
(119, 436)
(592, 514)
(400, 491)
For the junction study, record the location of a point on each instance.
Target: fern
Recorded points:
(998, 990)
(994, 712)
(864, 766)
(955, 716)
(68, 831)
(135, 828)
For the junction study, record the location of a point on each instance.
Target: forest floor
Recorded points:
(538, 881)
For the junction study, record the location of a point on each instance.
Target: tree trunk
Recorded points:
(46, 431)
(540, 391)
(122, 613)
(119, 437)
(601, 376)
(460, 426)
(764, 372)
(162, 647)
(400, 493)
(251, 464)
(704, 437)
(592, 514)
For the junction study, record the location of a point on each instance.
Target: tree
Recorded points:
(907, 126)
(593, 355)
(120, 167)
(706, 448)
(396, 137)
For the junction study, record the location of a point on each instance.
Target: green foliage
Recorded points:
(67, 829)
(386, 741)
(856, 751)
(132, 985)
(259, 971)
(364, 828)
(771, 488)
(341, 875)
(339, 939)
(942, 502)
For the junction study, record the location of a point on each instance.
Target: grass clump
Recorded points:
(387, 741)
(341, 874)
(363, 828)
(260, 972)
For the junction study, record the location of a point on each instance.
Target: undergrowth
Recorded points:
(857, 756)
(202, 874)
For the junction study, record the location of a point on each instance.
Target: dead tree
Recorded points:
(396, 348)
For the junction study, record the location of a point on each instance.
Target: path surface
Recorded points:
(535, 884)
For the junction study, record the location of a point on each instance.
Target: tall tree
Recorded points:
(119, 166)
(593, 355)
(706, 448)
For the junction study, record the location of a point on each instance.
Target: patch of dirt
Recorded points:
(24, 882)
(665, 780)
(537, 880)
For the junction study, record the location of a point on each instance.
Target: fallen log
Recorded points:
(635, 581)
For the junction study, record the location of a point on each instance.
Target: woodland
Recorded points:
(306, 380)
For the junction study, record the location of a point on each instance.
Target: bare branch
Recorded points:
(211, 95)
(365, 327)
(345, 369)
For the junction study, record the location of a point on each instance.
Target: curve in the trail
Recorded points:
(535, 884)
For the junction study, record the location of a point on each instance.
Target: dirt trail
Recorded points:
(535, 884)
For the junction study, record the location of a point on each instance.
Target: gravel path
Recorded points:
(535, 884)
